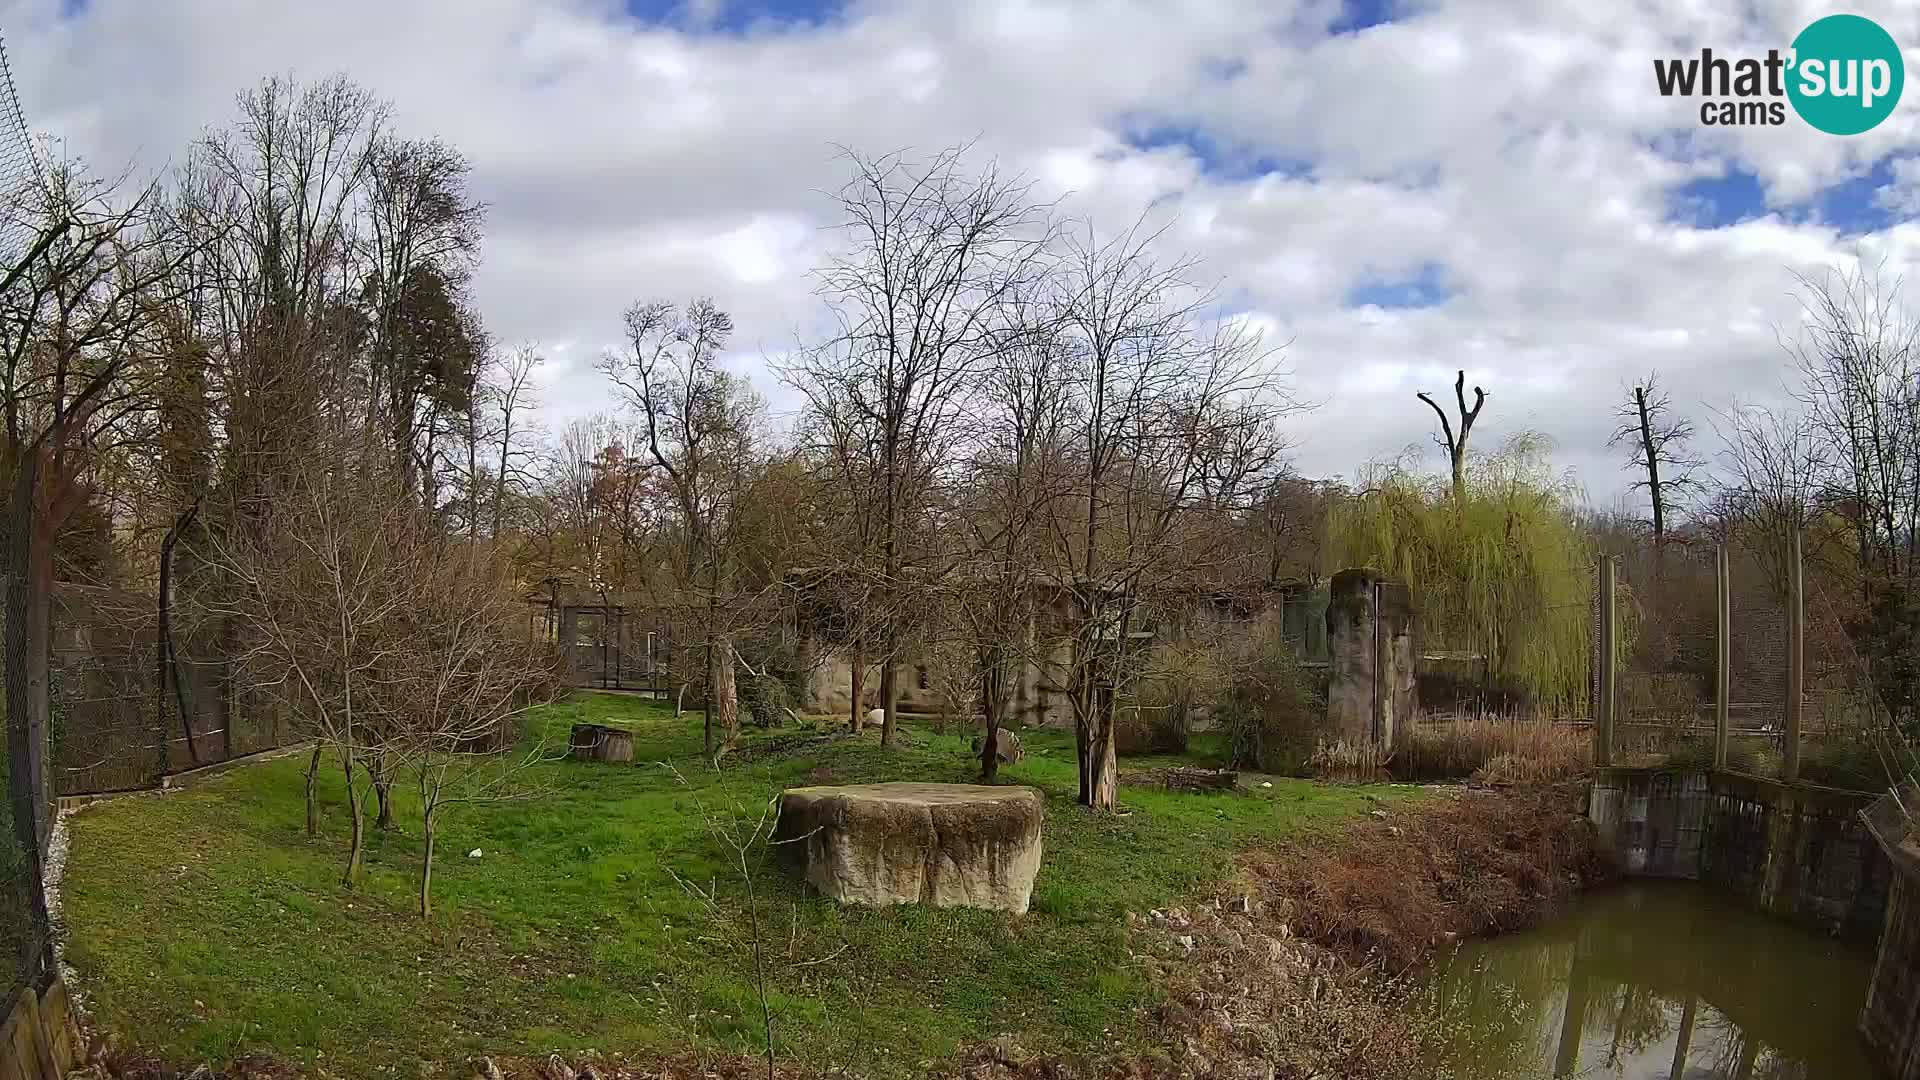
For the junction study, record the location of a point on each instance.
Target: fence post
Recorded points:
(1722, 654)
(1609, 633)
(1796, 657)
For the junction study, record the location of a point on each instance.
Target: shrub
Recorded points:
(766, 699)
(1153, 722)
(1272, 712)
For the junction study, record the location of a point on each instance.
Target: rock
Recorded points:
(474, 854)
(948, 845)
(1006, 746)
(1007, 1052)
(876, 717)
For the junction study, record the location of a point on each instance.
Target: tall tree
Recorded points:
(1173, 433)
(75, 373)
(1456, 444)
(1658, 445)
(933, 250)
(700, 425)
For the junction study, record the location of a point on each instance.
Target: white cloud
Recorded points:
(1510, 144)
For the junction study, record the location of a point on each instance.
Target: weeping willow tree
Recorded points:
(1505, 572)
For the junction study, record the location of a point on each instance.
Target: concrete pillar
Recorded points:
(1370, 686)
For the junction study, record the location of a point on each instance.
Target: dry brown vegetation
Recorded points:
(1494, 750)
(1467, 862)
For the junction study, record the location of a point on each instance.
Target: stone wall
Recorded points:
(1797, 851)
(1890, 1020)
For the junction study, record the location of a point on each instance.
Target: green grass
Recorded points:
(206, 925)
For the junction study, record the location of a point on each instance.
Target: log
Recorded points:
(1188, 778)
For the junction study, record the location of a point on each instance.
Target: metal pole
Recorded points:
(1609, 633)
(1796, 657)
(1722, 654)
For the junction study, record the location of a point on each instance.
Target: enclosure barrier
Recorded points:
(39, 1041)
(1764, 699)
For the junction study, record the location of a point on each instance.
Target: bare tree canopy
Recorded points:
(1659, 449)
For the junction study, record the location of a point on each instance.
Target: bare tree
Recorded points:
(1016, 469)
(1456, 445)
(1659, 448)
(700, 423)
(1173, 432)
(1773, 468)
(1858, 355)
(934, 249)
(75, 375)
(509, 392)
(454, 684)
(319, 594)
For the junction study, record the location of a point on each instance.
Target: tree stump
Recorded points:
(597, 742)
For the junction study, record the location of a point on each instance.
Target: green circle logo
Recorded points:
(1846, 74)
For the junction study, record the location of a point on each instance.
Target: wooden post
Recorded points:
(1796, 657)
(1609, 633)
(1722, 654)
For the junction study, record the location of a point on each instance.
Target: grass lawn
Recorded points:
(206, 925)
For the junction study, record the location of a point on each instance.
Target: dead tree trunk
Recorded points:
(1653, 468)
(1456, 446)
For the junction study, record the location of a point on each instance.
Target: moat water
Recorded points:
(1656, 980)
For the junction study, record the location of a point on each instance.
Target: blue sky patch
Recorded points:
(736, 16)
(1217, 159)
(1715, 202)
(1424, 288)
(1358, 15)
(1852, 207)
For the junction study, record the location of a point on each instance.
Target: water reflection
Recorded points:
(1653, 981)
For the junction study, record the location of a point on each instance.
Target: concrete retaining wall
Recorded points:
(1796, 851)
(1890, 1020)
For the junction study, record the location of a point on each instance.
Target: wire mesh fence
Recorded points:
(26, 816)
(1667, 662)
(1665, 599)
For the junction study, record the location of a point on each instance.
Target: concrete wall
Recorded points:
(1372, 666)
(1890, 1020)
(1797, 851)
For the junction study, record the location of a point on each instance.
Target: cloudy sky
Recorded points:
(1395, 189)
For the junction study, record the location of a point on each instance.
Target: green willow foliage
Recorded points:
(1508, 575)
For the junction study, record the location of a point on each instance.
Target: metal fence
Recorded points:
(1706, 632)
(124, 722)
